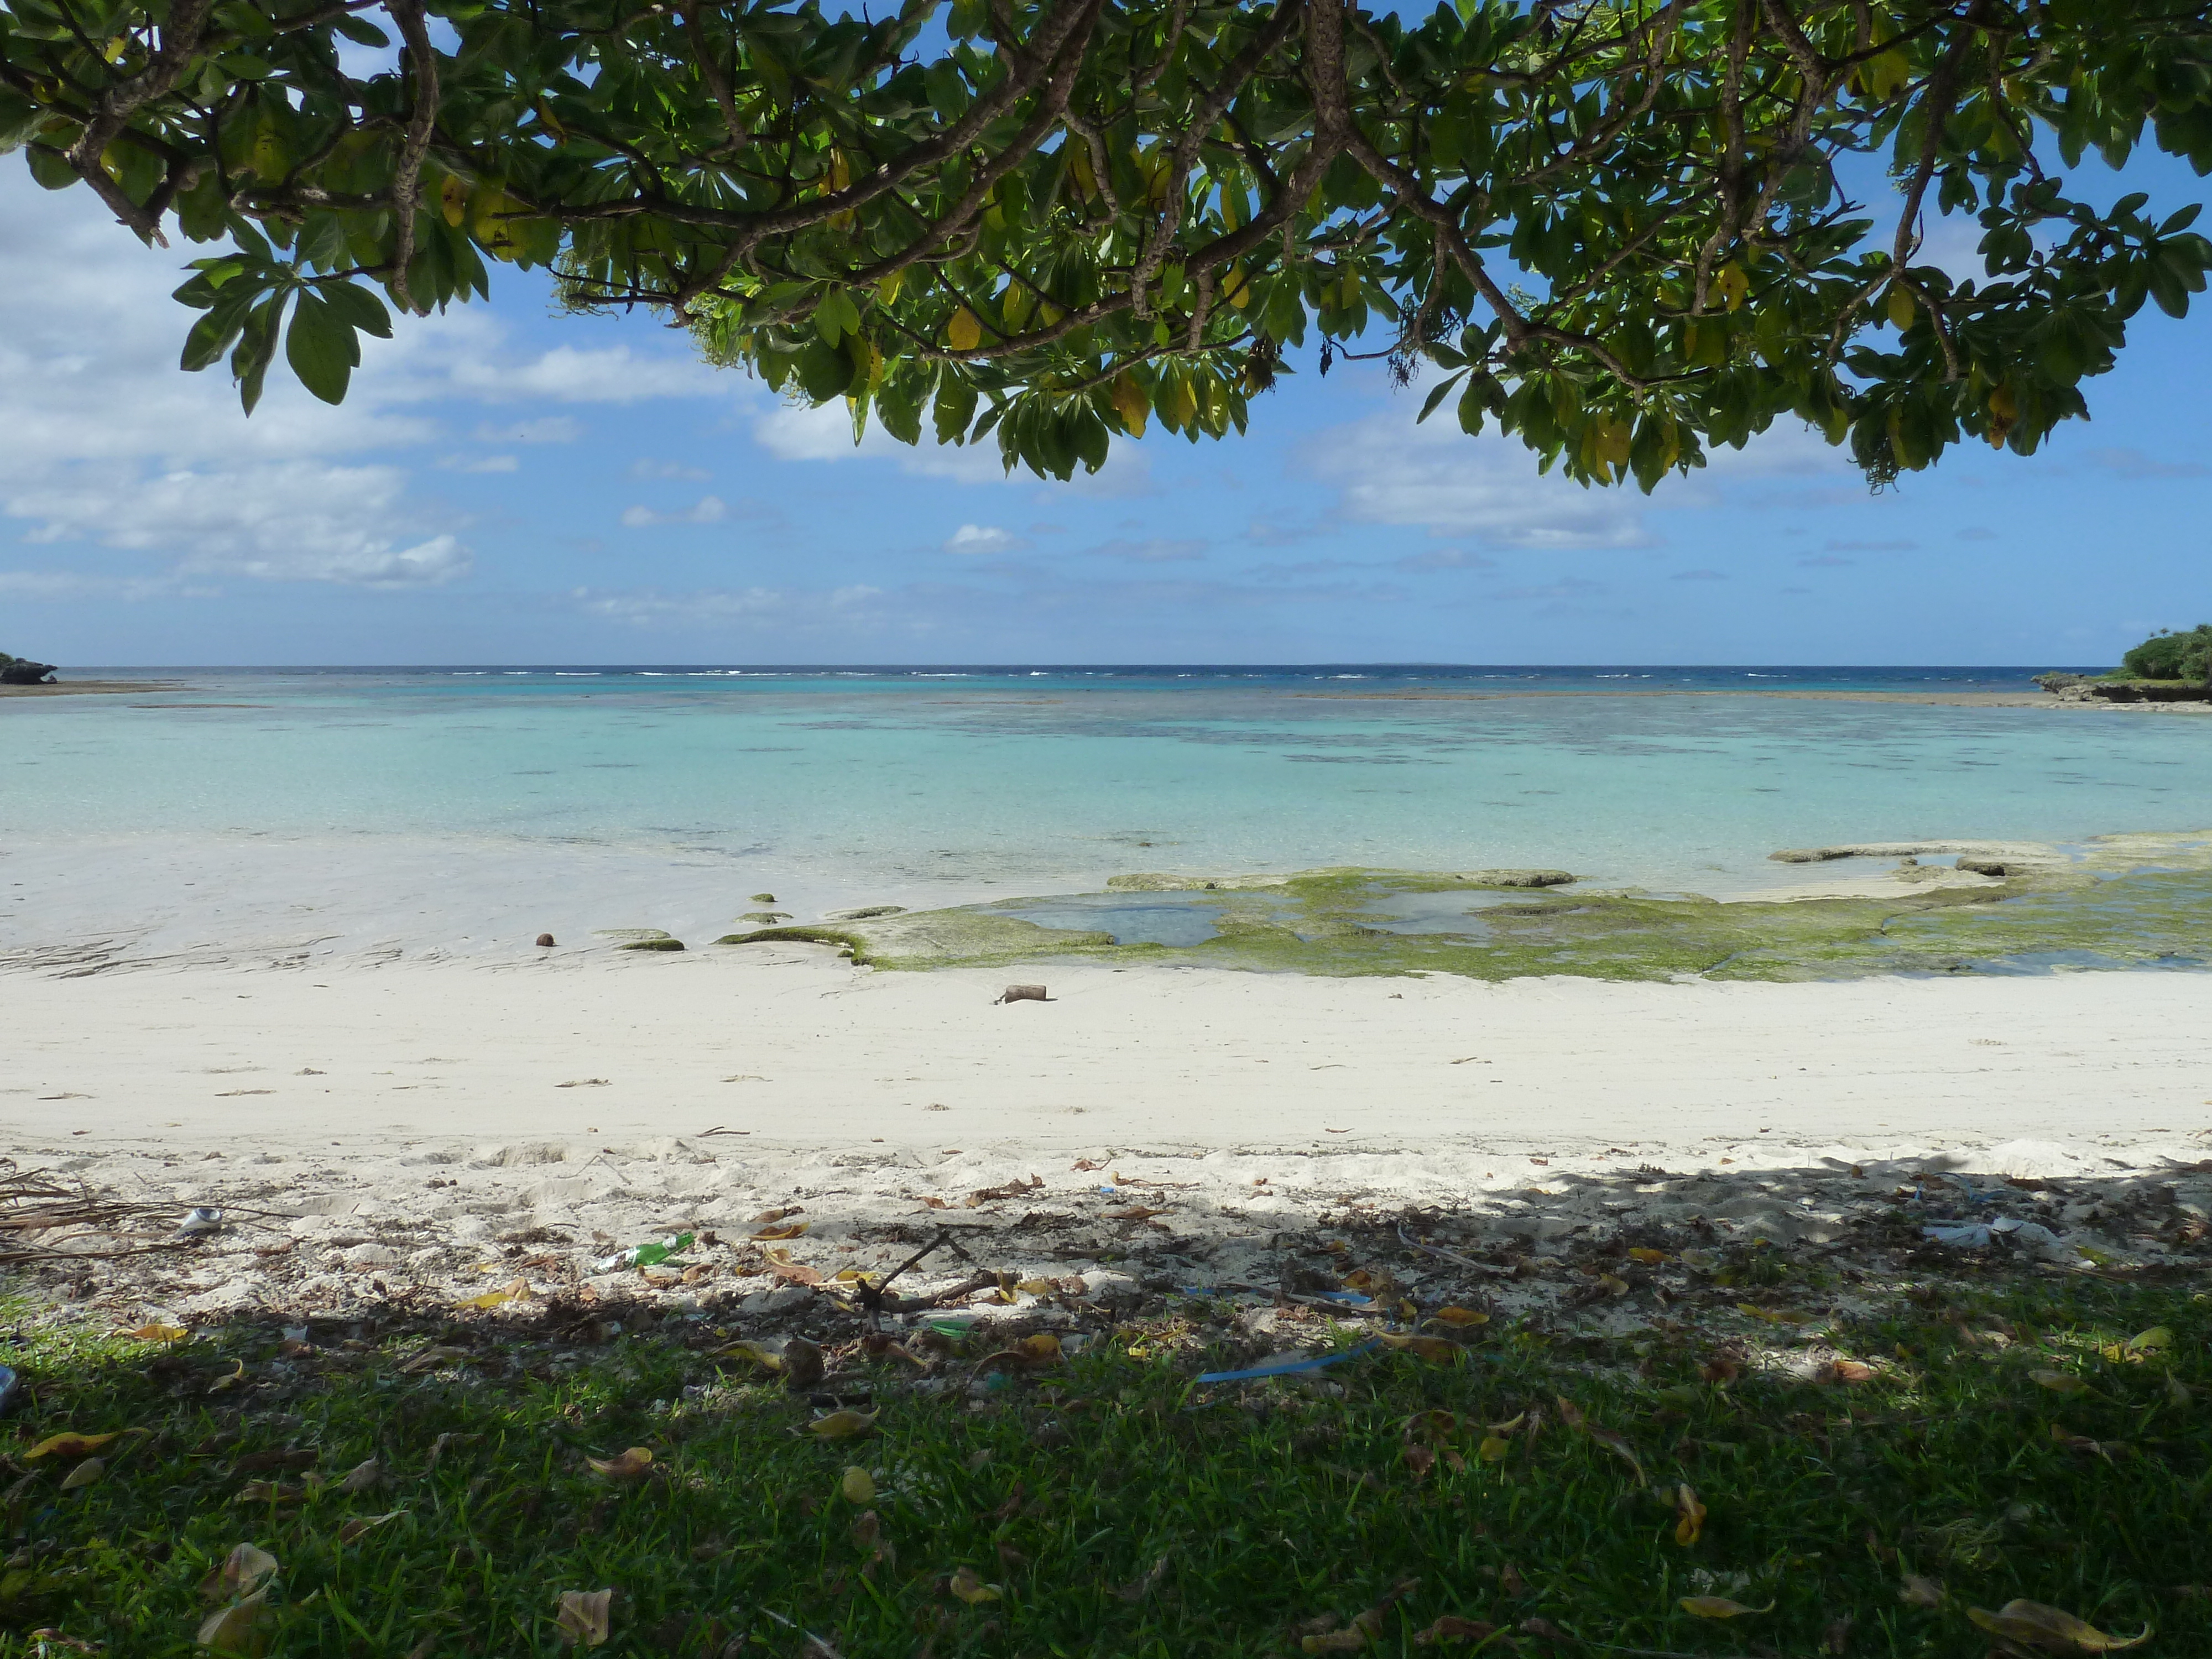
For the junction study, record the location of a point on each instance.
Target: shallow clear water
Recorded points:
(946, 786)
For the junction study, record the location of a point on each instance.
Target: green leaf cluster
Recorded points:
(1623, 231)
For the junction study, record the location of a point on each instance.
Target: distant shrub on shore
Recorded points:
(2166, 655)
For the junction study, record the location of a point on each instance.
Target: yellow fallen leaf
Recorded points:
(2058, 1382)
(633, 1465)
(2177, 1392)
(2157, 1339)
(1611, 1286)
(159, 1332)
(363, 1476)
(580, 1617)
(857, 1487)
(1646, 1254)
(1693, 1516)
(751, 1353)
(236, 1379)
(1718, 1606)
(794, 1229)
(1041, 1349)
(361, 1524)
(519, 1291)
(1037, 1286)
(1458, 1318)
(1494, 1449)
(70, 1445)
(236, 1628)
(971, 1589)
(1511, 1424)
(85, 1473)
(2053, 1628)
(842, 1425)
(1434, 1349)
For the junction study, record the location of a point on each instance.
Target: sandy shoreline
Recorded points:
(391, 1126)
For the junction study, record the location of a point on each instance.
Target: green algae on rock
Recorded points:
(2116, 901)
(639, 939)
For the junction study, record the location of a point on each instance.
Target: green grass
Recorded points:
(1271, 1507)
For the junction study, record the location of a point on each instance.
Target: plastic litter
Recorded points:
(644, 1255)
(199, 1221)
(1291, 1367)
(2006, 1230)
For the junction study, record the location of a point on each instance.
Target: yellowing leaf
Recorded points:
(1606, 1282)
(1718, 1606)
(236, 1628)
(516, 1291)
(158, 1332)
(1900, 305)
(632, 1466)
(888, 286)
(1511, 1424)
(857, 1487)
(453, 200)
(85, 1473)
(2157, 1339)
(971, 1589)
(70, 1445)
(2053, 1628)
(2058, 1382)
(580, 1617)
(1041, 1349)
(964, 332)
(1750, 1310)
(842, 1425)
(1646, 1254)
(1460, 1318)
(1037, 1286)
(751, 1353)
(1732, 284)
(1919, 1592)
(1693, 1516)
(791, 1229)
(232, 1381)
(1494, 1449)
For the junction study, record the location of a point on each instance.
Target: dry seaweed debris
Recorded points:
(43, 1218)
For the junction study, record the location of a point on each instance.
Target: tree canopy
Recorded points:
(1622, 230)
(2172, 655)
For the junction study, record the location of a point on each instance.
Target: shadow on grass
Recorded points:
(1883, 1432)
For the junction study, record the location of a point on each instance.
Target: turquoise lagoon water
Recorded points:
(442, 804)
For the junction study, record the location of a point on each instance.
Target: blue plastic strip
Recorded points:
(1290, 1368)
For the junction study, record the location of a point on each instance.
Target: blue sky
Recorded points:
(505, 485)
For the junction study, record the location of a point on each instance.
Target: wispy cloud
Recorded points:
(1700, 576)
(982, 538)
(2135, 466)
(707, 509)
(547, 429)
(1156, 549)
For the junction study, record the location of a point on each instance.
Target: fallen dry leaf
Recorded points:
(858, 1486)
(159, 1332)
(236, 1628)
(70, 1445)
(971, 1589)
(1453, 1628)
(1718, 1606)
(270, 1492)
(363, 1476)
(1847, 1370)
(2034, 1624)
(1611, 1286)
(1459, 1318)
(1134, 1212)
(1351, 1640)
(843, 1425)
(795, 1229)
(1494, 1449)
(580, 1617)
(1919, 1592)
(1692, 1512)
(517, 1291)
(767, 1218)
(1646, 1254)
(243, 1572)
(627, 1469)
(2058, 1382)
(751, 1353)
(1037, 1286)
(797, 1272)
(2138, 1348)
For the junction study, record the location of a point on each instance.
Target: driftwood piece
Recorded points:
(1021, 993)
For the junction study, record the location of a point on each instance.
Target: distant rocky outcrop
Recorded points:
(22, 670)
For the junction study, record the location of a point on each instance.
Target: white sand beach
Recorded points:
(372, 1132)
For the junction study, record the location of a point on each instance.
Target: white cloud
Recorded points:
(72, 585)
(707, 509)
(784, 612)
(665, 469)
(481, 464)
(982, 538)
(608, 374)
(792, 432)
